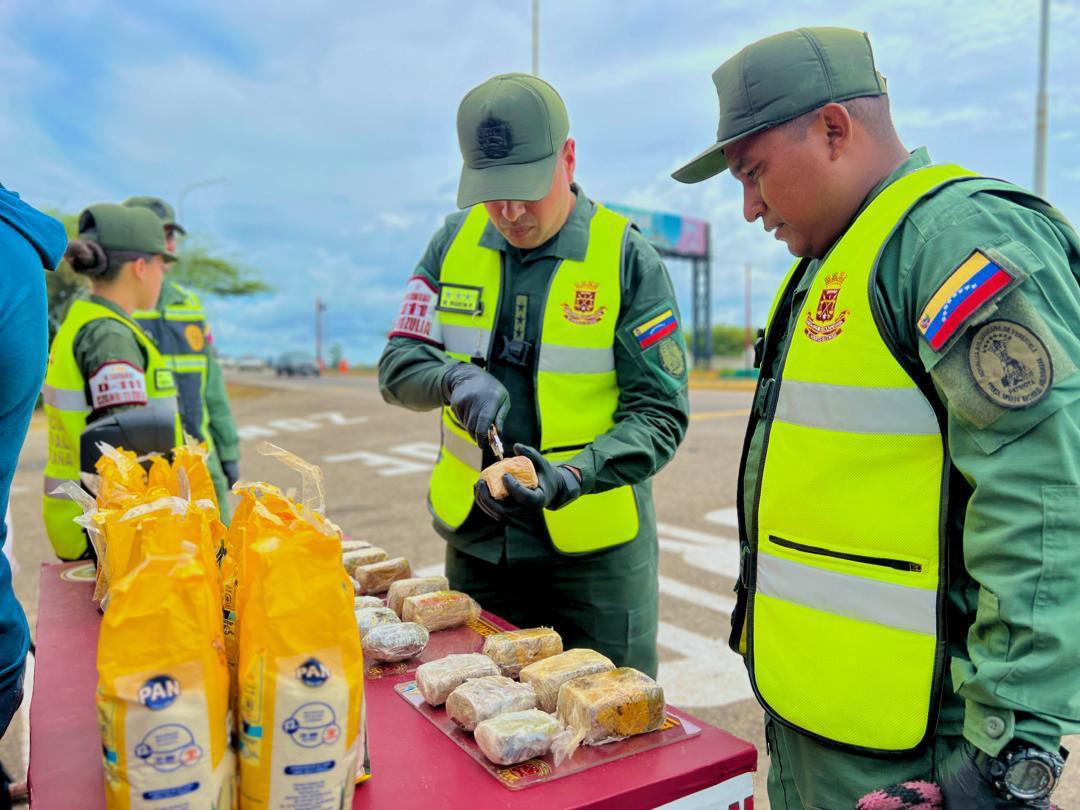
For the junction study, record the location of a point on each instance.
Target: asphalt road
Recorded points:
(376, 461)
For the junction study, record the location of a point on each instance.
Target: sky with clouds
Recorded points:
(328, 127)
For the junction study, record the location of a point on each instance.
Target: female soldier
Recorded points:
(106, 380)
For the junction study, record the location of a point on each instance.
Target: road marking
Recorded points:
(667, 530)
(725, 517)
(696, 596)
(712, 560)
(425, 451)
(313, 421)
(386, 466)
(706, 415)
(710, 675)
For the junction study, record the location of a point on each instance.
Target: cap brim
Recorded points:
(709, 163)
(169, 257)
(176, 226)
(515, 181)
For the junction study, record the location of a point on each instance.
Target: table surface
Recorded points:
(413, 764)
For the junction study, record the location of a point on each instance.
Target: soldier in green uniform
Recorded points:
(179, 326)
(106, 379)
(909, 495)
(543, 314)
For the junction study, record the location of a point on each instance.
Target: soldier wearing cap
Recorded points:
(106, 380)
(179, 327)
(540, 312)
(909, 497)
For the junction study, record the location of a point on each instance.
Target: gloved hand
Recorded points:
(965, 782)
(556, 487)
(477, 399)
(232, 472)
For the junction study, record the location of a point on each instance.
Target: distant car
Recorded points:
(297, 364)
(250, 362)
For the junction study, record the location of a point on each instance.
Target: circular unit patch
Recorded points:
(672, 358)
(195, 337)
(1010, 365)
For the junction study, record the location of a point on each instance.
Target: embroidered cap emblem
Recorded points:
(494, 137)
(825, 324)
(584, 310)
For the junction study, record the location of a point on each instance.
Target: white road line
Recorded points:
(696, 596)
(425, 451)
(722, 561)
(725, 517)
(386, 466)
(710, 675)
(704, 538)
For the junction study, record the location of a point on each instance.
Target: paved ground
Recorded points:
(377, 459)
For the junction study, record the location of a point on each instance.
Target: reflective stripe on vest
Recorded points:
(845, 628)
(67, 409)
(169, 328)
(576, 388)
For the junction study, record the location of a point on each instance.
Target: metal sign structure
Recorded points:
(683, 238)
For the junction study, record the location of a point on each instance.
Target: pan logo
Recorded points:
(159, 692)
(313, 673)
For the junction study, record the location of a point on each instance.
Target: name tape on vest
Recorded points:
(117, 383)
(417, 316)
(461, 299)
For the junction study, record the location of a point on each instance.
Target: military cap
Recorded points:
(122, 228)
(780, 78)
(162, 210)
(511, 130)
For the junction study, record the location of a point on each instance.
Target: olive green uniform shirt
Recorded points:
(1014, 508)
(653, 408)
(107, 340)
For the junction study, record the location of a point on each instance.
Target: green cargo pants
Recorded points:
(606, 601)
(806, 775)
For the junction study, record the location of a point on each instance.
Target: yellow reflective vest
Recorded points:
(576, 388)
(67, 406)
(847, 571)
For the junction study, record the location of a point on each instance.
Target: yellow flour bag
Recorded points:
(122, 477)
(162, 696)
(191, 458)
(300, 671)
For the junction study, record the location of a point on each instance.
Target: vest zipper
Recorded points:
(884, 562)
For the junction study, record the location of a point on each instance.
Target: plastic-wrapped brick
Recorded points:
(378, 577)
(440, 610)
(479, 699)
(508, 739)
(371, 617)
(404, 588)
(548, 674)
(394, 642)
(517, 649)
(437, 679)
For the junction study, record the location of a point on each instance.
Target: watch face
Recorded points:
(1029, 779)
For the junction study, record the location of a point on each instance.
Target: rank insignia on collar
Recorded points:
(584, 310)
(825, 323)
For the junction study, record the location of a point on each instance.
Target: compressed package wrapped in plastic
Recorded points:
(394, 642)
(367, 602)
(378, 577)
(437, 679)
(404, 588)
(163, 690)
(354, 545)
(518, 466)
(440, 610)
(371, 617)
(478, 699)
(508, 739)
(608, 706)
(548, 674)
(362, 556)
(516, 649)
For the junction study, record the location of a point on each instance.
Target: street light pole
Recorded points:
(1041, 101)
(536, 37)
(320, 308)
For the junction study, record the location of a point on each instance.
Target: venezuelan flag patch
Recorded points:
(975, 282)
(656, 329)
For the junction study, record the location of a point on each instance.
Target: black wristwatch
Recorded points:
(1025, 774)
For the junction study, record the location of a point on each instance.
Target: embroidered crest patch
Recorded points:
(584, 310)
(672, 358)
(495, 138)
(195, 337)
(824, 323)
(1010, 365)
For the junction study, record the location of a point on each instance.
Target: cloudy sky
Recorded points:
(329, 126)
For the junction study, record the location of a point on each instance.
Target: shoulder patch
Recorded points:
(417, 316)
(117, 383)
(1010, 364)
(977, 281)
(656, 328)
(672, 357)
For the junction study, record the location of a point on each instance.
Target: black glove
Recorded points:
(232, 472)
(966, 782)
(477, 399)
(556, 487)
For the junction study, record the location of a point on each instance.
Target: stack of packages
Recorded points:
(211, 634)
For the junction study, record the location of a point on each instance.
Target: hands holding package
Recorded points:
(524, 482)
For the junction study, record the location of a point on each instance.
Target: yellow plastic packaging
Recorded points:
(163, 691)
(191, 458)
(121, 478)
(300, 672)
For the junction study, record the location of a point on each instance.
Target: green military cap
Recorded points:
(511, 129)
(123, 229)
(780, 78)
(162, 210)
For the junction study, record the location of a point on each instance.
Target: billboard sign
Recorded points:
(669, 233)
